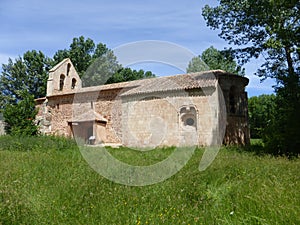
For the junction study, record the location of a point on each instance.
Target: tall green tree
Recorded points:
(270, 29)
(213, 59)
(101, 69)
(262, 110)
(29, 72)
(96, 64)
(80, 52)
(19, 117)
(83, 53)
(197, 65)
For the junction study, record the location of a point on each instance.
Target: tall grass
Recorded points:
(45, 180)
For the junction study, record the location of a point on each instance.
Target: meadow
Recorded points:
(45, 180)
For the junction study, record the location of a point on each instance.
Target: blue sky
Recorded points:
(51, 25)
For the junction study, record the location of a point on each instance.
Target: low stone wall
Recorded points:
(2, 126)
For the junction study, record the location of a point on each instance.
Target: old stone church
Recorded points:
(201, 109)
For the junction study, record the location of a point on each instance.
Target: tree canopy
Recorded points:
(261, 112)
(127, 74)
(213, 59)
(96, 64)
(29, 72)
(197, 65)
(82, 52)
(269, 29)
(19, 117)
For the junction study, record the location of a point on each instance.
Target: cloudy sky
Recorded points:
(51, 25)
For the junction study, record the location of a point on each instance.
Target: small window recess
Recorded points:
(188, 116)
(68, 68)
(61, 82)
(73, 86)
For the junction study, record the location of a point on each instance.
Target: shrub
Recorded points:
(20, 117)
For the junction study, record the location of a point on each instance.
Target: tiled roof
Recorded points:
(173, 83)
(90, 115)
(161, 84)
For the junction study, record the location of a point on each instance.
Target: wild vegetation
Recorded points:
(268, 30)
(45, 180)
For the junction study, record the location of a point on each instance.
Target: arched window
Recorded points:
(74, 81)
(61, 82)
(188, 116)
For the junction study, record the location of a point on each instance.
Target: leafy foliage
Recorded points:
(282, 136)
(127, 74)
(197, 65)
(101, 69)
(262, 111)
(29, 72)
(83, 52)
(213, 59)
(19, 117)
(97, 65)
(270, 29)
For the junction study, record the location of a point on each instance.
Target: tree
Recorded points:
(19, 117)
(262, 111)
(101, 69)
(97, 65)
(213, 59)
(85, 54)
(197, 65)
(29, 72)
(127, 74)
(80, 52)
(271, 29)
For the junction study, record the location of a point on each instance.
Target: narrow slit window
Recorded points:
(61, 82)
(74, 81)
(68, 68)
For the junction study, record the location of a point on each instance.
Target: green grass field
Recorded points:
(45, 180)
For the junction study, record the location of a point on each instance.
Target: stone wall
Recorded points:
(236, 101)
(186, 114)
(2, 127)
(62, 78)
(140, 121)
(171, 121)
(57, 113)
